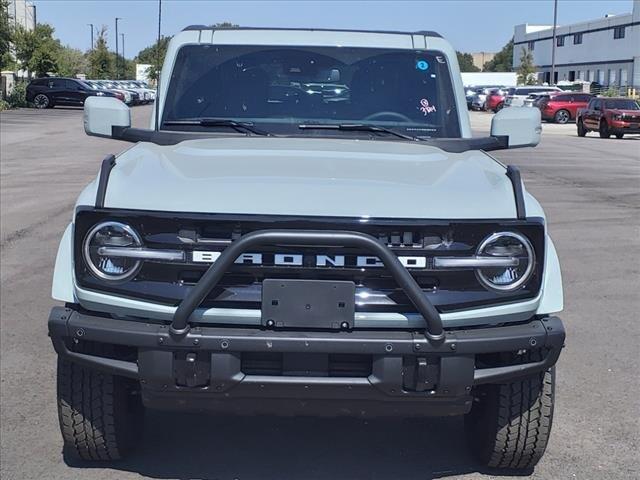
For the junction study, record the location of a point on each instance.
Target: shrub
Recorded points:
(17, 97)
(3, 105)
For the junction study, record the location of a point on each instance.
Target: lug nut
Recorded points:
(270, 323)
(344, 325)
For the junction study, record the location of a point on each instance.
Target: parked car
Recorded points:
(609, 116)
(51, 91)
(533, 99)
(469, 92)
(495, 99)
(479, 99)
(143, 93)
(519, 94)
(103, 85)
(562, 107)
(364, 257)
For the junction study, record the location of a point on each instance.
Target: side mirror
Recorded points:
(521, 124)
(103, 113)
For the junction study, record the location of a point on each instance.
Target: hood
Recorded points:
(310, 176)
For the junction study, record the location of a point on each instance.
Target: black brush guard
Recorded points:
(434, 331)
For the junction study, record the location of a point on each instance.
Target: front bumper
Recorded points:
(620, 126)
(408, 375)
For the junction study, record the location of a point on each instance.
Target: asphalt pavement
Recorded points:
(590, 189)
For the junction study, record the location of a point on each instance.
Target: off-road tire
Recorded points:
(619, 135)
(99, 416)
(509, 425)
(603, 130)
(562, 117)
(581, 130)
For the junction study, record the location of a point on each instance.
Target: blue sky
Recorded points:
(470, 25)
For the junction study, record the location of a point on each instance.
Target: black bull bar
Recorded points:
(434, 331)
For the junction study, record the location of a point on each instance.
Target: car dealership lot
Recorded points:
(590, 189)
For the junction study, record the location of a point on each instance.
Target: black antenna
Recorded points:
(158, 69)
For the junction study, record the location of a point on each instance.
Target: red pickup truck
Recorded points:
(609, 116)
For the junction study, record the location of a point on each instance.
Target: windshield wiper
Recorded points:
(355, 127)
(241, 127)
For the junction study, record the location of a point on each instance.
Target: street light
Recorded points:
(553, 43)
(91, 25)
(117, 66)
(124, 61)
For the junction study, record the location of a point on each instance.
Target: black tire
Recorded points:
(603, 130)
(619, 135)
(581, 130)
(509, 425)
(99, 416)
(499, 107)
(42, 101)
(562, 117)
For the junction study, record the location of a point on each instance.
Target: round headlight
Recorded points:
(506, 245)
(111, 234)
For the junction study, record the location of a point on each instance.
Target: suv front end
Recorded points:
(316, 268)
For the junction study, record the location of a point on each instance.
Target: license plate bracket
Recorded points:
(308, 303)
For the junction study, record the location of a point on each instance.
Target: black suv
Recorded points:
(49, 92)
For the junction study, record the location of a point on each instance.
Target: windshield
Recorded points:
(621, 104)
(280, 88)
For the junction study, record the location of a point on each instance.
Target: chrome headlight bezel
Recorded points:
(526, 276)
(86, 252)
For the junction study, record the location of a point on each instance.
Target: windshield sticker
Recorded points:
(426, 108)
(422, 65)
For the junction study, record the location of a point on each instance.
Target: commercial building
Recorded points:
(605, 50)
(21, 13)
(480, 58)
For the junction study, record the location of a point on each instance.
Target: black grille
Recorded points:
(306, 365)
(169, 283)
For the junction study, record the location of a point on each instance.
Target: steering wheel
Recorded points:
(383, 115)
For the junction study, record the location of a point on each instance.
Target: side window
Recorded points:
(618, 32)
(596, 105)
(560, 41)
(562, 98)
(57, 84)
(583, 98)
(71, 85)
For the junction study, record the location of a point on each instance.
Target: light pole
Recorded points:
(91, 25)
(117, 68)
(124, 62)
(553, 44)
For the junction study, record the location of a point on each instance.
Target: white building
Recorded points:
(21, 13)
(605, 50)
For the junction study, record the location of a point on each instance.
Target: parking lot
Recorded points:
(590, 189)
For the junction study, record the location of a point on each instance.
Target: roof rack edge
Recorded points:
(426, 33)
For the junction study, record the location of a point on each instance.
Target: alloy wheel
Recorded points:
(41, 101)
(562, 116)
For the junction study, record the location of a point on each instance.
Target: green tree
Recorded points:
(6, 36)
(154, 56)
(503, 60)
(225, 25)
(465, 60)
(37, 50)
(72, 62)
(101, 60)
(527, 69)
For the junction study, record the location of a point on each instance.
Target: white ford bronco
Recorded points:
(308, 227)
